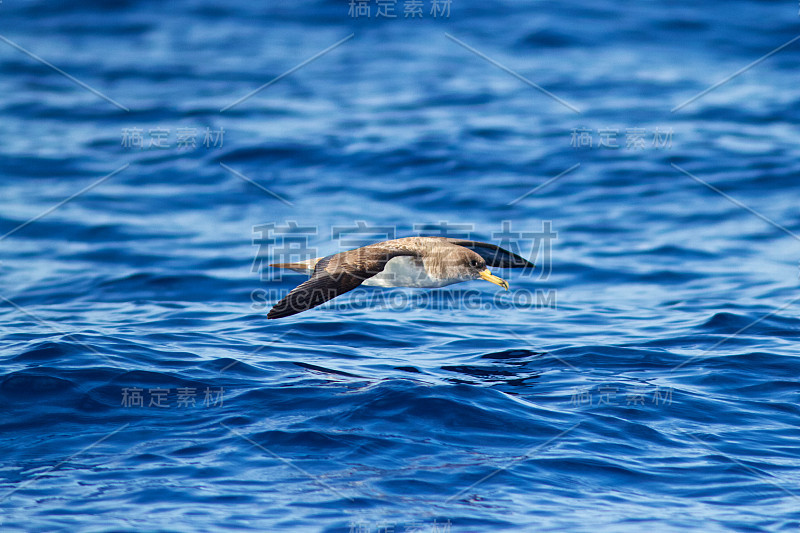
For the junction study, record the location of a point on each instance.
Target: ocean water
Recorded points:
(154, 157)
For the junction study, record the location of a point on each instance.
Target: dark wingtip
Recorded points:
(280, 312)
(288, 306)
(516, 261)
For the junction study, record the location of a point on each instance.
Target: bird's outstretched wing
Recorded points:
(493, 255)
(334, 276)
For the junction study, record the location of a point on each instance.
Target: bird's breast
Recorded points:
(406, 271)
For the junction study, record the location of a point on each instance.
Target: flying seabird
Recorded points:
(425, 262)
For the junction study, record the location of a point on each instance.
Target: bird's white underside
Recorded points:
(406, 271)
(400, 271)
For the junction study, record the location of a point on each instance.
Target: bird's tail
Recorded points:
(304, 267)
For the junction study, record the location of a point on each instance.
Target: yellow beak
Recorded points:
(488, 276)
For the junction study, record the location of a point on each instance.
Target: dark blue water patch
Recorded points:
(730, 323)
(29, 166)
(165, 286)
(31, 385)
(511, 354)
(325, 370)
(545, 38)
(683, 253)
(48, 351)
(286, 155)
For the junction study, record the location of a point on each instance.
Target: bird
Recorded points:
(423, 262)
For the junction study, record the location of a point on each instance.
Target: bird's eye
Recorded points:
(474, 263)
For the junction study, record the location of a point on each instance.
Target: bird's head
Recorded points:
(470, 266)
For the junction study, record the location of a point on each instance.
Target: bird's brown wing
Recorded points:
(493, 255)
(335, 275)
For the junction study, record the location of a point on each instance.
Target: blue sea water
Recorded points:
(645, 377)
